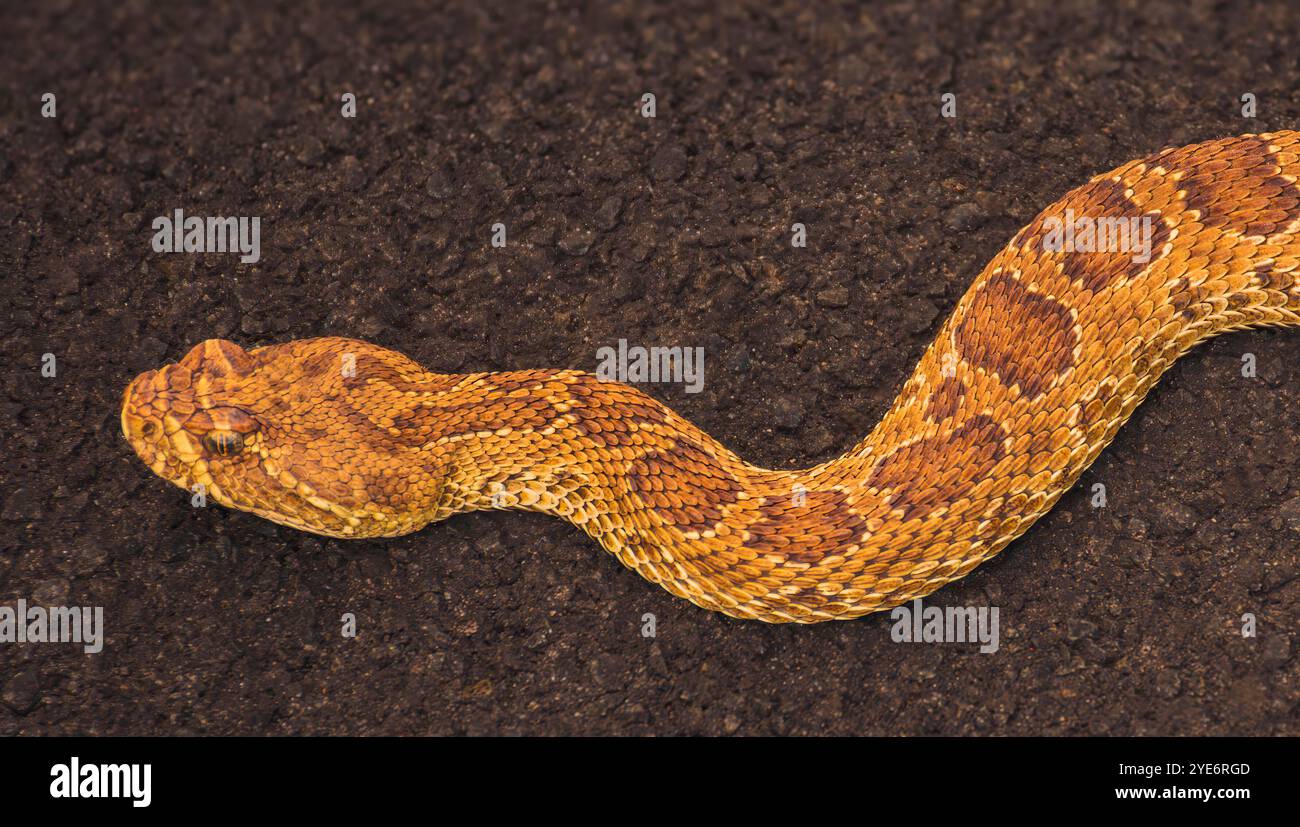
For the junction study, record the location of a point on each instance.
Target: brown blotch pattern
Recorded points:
(515, 401)
(946, 399)
(1270, 279)
(1024, 338)
(218, 359)
(940, 469)
(605, 412)
(413, 428)
(805, 529)
(684, 485)
(600, 413)
(370, 369)
(431, 421)
(1103, 200)
(1190, 302)
(1234, 185)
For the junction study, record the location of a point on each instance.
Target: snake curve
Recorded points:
(1042, 360)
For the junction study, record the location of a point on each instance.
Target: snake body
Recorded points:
(1042, 360)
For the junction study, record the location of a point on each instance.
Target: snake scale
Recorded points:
(1042, 360)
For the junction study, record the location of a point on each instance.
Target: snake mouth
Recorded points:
(140, 423)
(148, 428)
(156, 410)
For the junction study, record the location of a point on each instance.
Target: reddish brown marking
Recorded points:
(1270, 279)
(517, 413)
(1236, 301)
(1234, 185)
(1025, 338)
(1189, 301)
(946, 399)
(602, 427)
(595, 402)
(1179, 297)
(939, 469)
(367, 368)
(684, 486)
(1098, 201)
(1088, 412)
(601, 413)
(217, 358)
(420, 423)
(805, 529)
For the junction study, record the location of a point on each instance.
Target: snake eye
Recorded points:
(223, 443)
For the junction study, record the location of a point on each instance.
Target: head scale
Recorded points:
(289, 432)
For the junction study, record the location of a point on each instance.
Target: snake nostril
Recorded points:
(149, 430)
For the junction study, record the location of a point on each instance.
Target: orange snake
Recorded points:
(1044, 358)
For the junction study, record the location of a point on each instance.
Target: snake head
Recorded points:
(289, 432)
(166, 420)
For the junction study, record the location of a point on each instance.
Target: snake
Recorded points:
(1042, 360)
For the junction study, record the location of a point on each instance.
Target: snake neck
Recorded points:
(1041, 362)
(958, 467)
